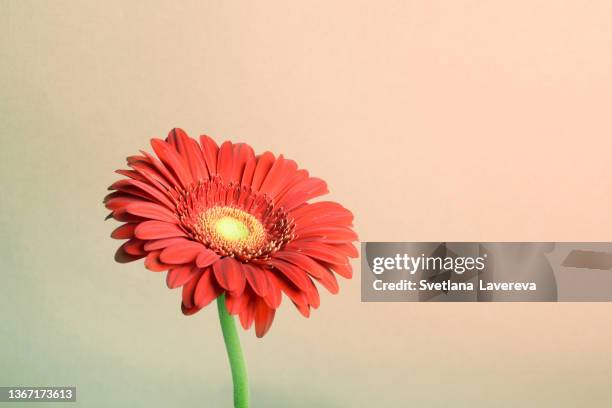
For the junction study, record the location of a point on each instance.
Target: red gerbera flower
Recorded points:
(222, 220)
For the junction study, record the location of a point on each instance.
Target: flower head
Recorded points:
(224, 220)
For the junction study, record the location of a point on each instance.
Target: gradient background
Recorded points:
(431, 120)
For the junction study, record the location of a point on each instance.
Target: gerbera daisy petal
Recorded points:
(235, 303)
(312, 295)
(170, 157)
(206, 290)
(158, 230)
(297, 296)
(347, 249)
(177, 277)
(209, 153)
(151, 211)
(318, 250)
(328, 234)
(206, 257)
(189, 150)
(181, 253)
(243, 154)
(140, 189)
(249, 171)
(134, 246)
(297, 177)
(161, 168)
(345, 270)
(263, 317)
(122, 256)
(151, 174)
(153, 263)
(118, 200)
(292, 272)
(247, 314)
(328, 281)
(188, 311)
(257, 279)
(229, 275)
(122, 215)
(264, 164)
(273, 297)
(189, 289)
(124, 231)
(278, 176)
(307, 264)
(156, 244)
(325, 213)
(131, 174)
(302, 192)
(225, 161)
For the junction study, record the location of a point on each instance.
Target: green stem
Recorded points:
(234, 353)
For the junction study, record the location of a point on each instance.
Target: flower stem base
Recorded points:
(234, 354)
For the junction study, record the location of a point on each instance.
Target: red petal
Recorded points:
(153, 263)
(247, 314)
(134, 247)
(206, 290)
(291, 180)
(302, 192)
(154, 177)
(296, 275)
(264, 163)
(152, 211)
(188, 311)
(328, 234)
(297, 296)
(346, 271)
(274, 297)
(181, 253)
(322, 212)
(317, 250)
(158, 230)
(235, 304)
(131, 174)
(170, 157)
(243, 153)
(206, 258)
(263, 318)
(118, 200)
(209, 152)
(225, 160)
(141, 189)
(191, 153)
(347, 249)
(125, 231)
(280, 173)
(177, 277)
(163, 243)
(306, 263)
(249, 171)
(229, 275)
(123, 257)
(159, 166)
(123, 216)
(312, 294)
(189, 291)
(256, 278)
(329, 281)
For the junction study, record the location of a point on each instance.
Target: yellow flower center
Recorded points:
(232, 231)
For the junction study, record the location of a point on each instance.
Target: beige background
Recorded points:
(431, 120)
